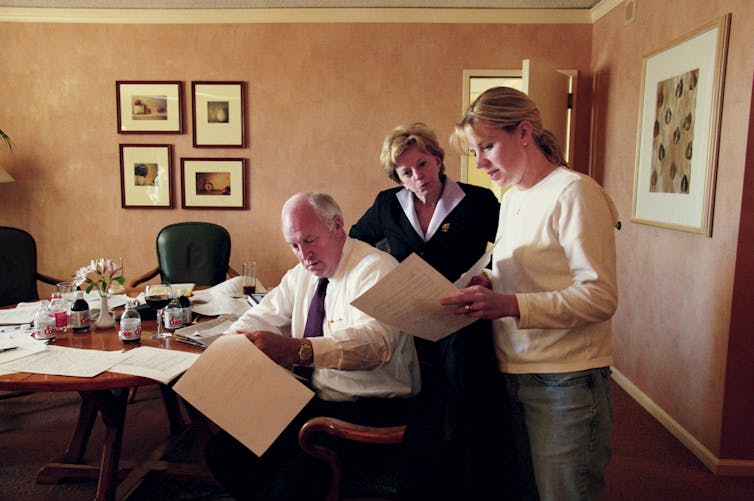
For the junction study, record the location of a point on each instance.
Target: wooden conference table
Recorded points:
(106, 393)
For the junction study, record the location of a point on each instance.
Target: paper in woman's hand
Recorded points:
(409, 298)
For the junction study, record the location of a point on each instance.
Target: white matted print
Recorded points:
(145, 176)
(149, 107)
(212, 183)
(219, 114)
(679, 131)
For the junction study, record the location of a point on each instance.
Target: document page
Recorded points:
(243, 391)
(17, 343)
(23, 313)
(62, 361)
(155, 363)
(409, 298)
(225, 298)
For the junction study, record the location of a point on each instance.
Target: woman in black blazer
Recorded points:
(449, 225)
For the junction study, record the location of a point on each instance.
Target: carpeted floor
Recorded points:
(648, 462)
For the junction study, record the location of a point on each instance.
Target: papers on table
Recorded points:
(226, 298)
(23, 313)
(244, 392)
(409, 298)
(155, 363)
(30, 355)
(61, 361)
(204, 333)
(15, 344)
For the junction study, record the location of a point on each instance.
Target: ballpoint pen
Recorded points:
(3, 350)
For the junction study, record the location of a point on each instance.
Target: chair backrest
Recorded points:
(194, 252)
(18, 266)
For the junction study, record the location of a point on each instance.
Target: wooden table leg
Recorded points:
(111, 404)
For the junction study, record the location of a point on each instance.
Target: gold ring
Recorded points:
(468, 308)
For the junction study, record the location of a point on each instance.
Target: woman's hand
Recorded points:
(480, 302)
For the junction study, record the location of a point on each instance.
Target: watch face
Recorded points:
(305, 351)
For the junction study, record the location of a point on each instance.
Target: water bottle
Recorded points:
(185, 304)
(44, 323)
(130, 324)
(59, 309)
(172, 314)
(79, 313)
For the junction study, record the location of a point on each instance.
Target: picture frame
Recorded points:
(218, 111)
(149, 107)
(146, 176)
(214, 183)
(679, 130)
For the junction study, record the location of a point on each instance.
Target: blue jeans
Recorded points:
(562, 432)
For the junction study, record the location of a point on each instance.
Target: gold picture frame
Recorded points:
(679, 130)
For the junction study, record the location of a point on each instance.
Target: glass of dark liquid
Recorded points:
(158, 296)
(249, 277)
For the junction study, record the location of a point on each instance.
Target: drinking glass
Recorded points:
(158, 296)
(249, 277)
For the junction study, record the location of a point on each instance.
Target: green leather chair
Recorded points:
(18, 267)
(191, 252)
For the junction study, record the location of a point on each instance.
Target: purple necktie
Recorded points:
(314, 321)
(316, 311)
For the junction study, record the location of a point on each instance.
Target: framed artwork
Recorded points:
(213, 183)
(145, 176)
(679, 131)
(219, 114)
(149, 107)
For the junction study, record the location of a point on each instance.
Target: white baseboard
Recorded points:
(732, 467)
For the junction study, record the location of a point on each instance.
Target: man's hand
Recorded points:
(282, 350)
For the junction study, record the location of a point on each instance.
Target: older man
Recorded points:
(361, 369)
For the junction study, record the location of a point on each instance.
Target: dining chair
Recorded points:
(191, 252)
(18, 267)
(355, 473)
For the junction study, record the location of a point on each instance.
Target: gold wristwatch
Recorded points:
(305, 353)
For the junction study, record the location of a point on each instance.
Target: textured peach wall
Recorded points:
(671, 328)
(321, 98)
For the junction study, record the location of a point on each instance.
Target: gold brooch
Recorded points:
(445, 228)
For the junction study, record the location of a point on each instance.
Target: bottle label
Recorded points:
(80, 319)
(61, 320)
(173, 318)
(44, 330)
(130, 329)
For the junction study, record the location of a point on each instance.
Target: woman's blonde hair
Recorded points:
(404, 136)
(505, 108)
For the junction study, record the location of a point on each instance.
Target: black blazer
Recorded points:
(458, 243)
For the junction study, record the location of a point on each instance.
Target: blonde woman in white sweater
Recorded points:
(551, 294)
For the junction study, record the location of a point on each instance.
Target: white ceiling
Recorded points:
(273, 4)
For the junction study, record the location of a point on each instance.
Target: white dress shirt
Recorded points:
(357, 356)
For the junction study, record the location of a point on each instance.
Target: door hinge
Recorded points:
(570, 100)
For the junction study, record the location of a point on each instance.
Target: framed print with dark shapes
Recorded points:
(218, 111)
(146, 176)
(149, 107)
(214, 183)
(679, 130)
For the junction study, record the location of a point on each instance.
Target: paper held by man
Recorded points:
(409, 298)
(238, 387)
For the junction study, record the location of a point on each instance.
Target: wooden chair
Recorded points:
(364, 477)
(191, 252)
(18, 267)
